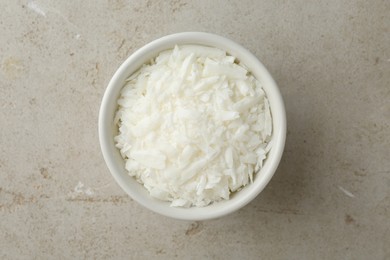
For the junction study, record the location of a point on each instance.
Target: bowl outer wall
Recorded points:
(107, 128)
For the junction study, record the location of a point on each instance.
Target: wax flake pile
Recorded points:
(194, 126)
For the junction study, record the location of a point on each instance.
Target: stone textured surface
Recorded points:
(329, 198)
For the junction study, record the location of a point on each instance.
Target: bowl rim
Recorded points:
(108, 106)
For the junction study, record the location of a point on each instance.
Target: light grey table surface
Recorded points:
(329, 198)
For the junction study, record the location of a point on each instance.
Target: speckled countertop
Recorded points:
(329, 198)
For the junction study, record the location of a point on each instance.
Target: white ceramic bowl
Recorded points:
(107, 129)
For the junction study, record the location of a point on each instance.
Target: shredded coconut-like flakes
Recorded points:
(194, 126)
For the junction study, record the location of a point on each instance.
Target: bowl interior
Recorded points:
(107, 128)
